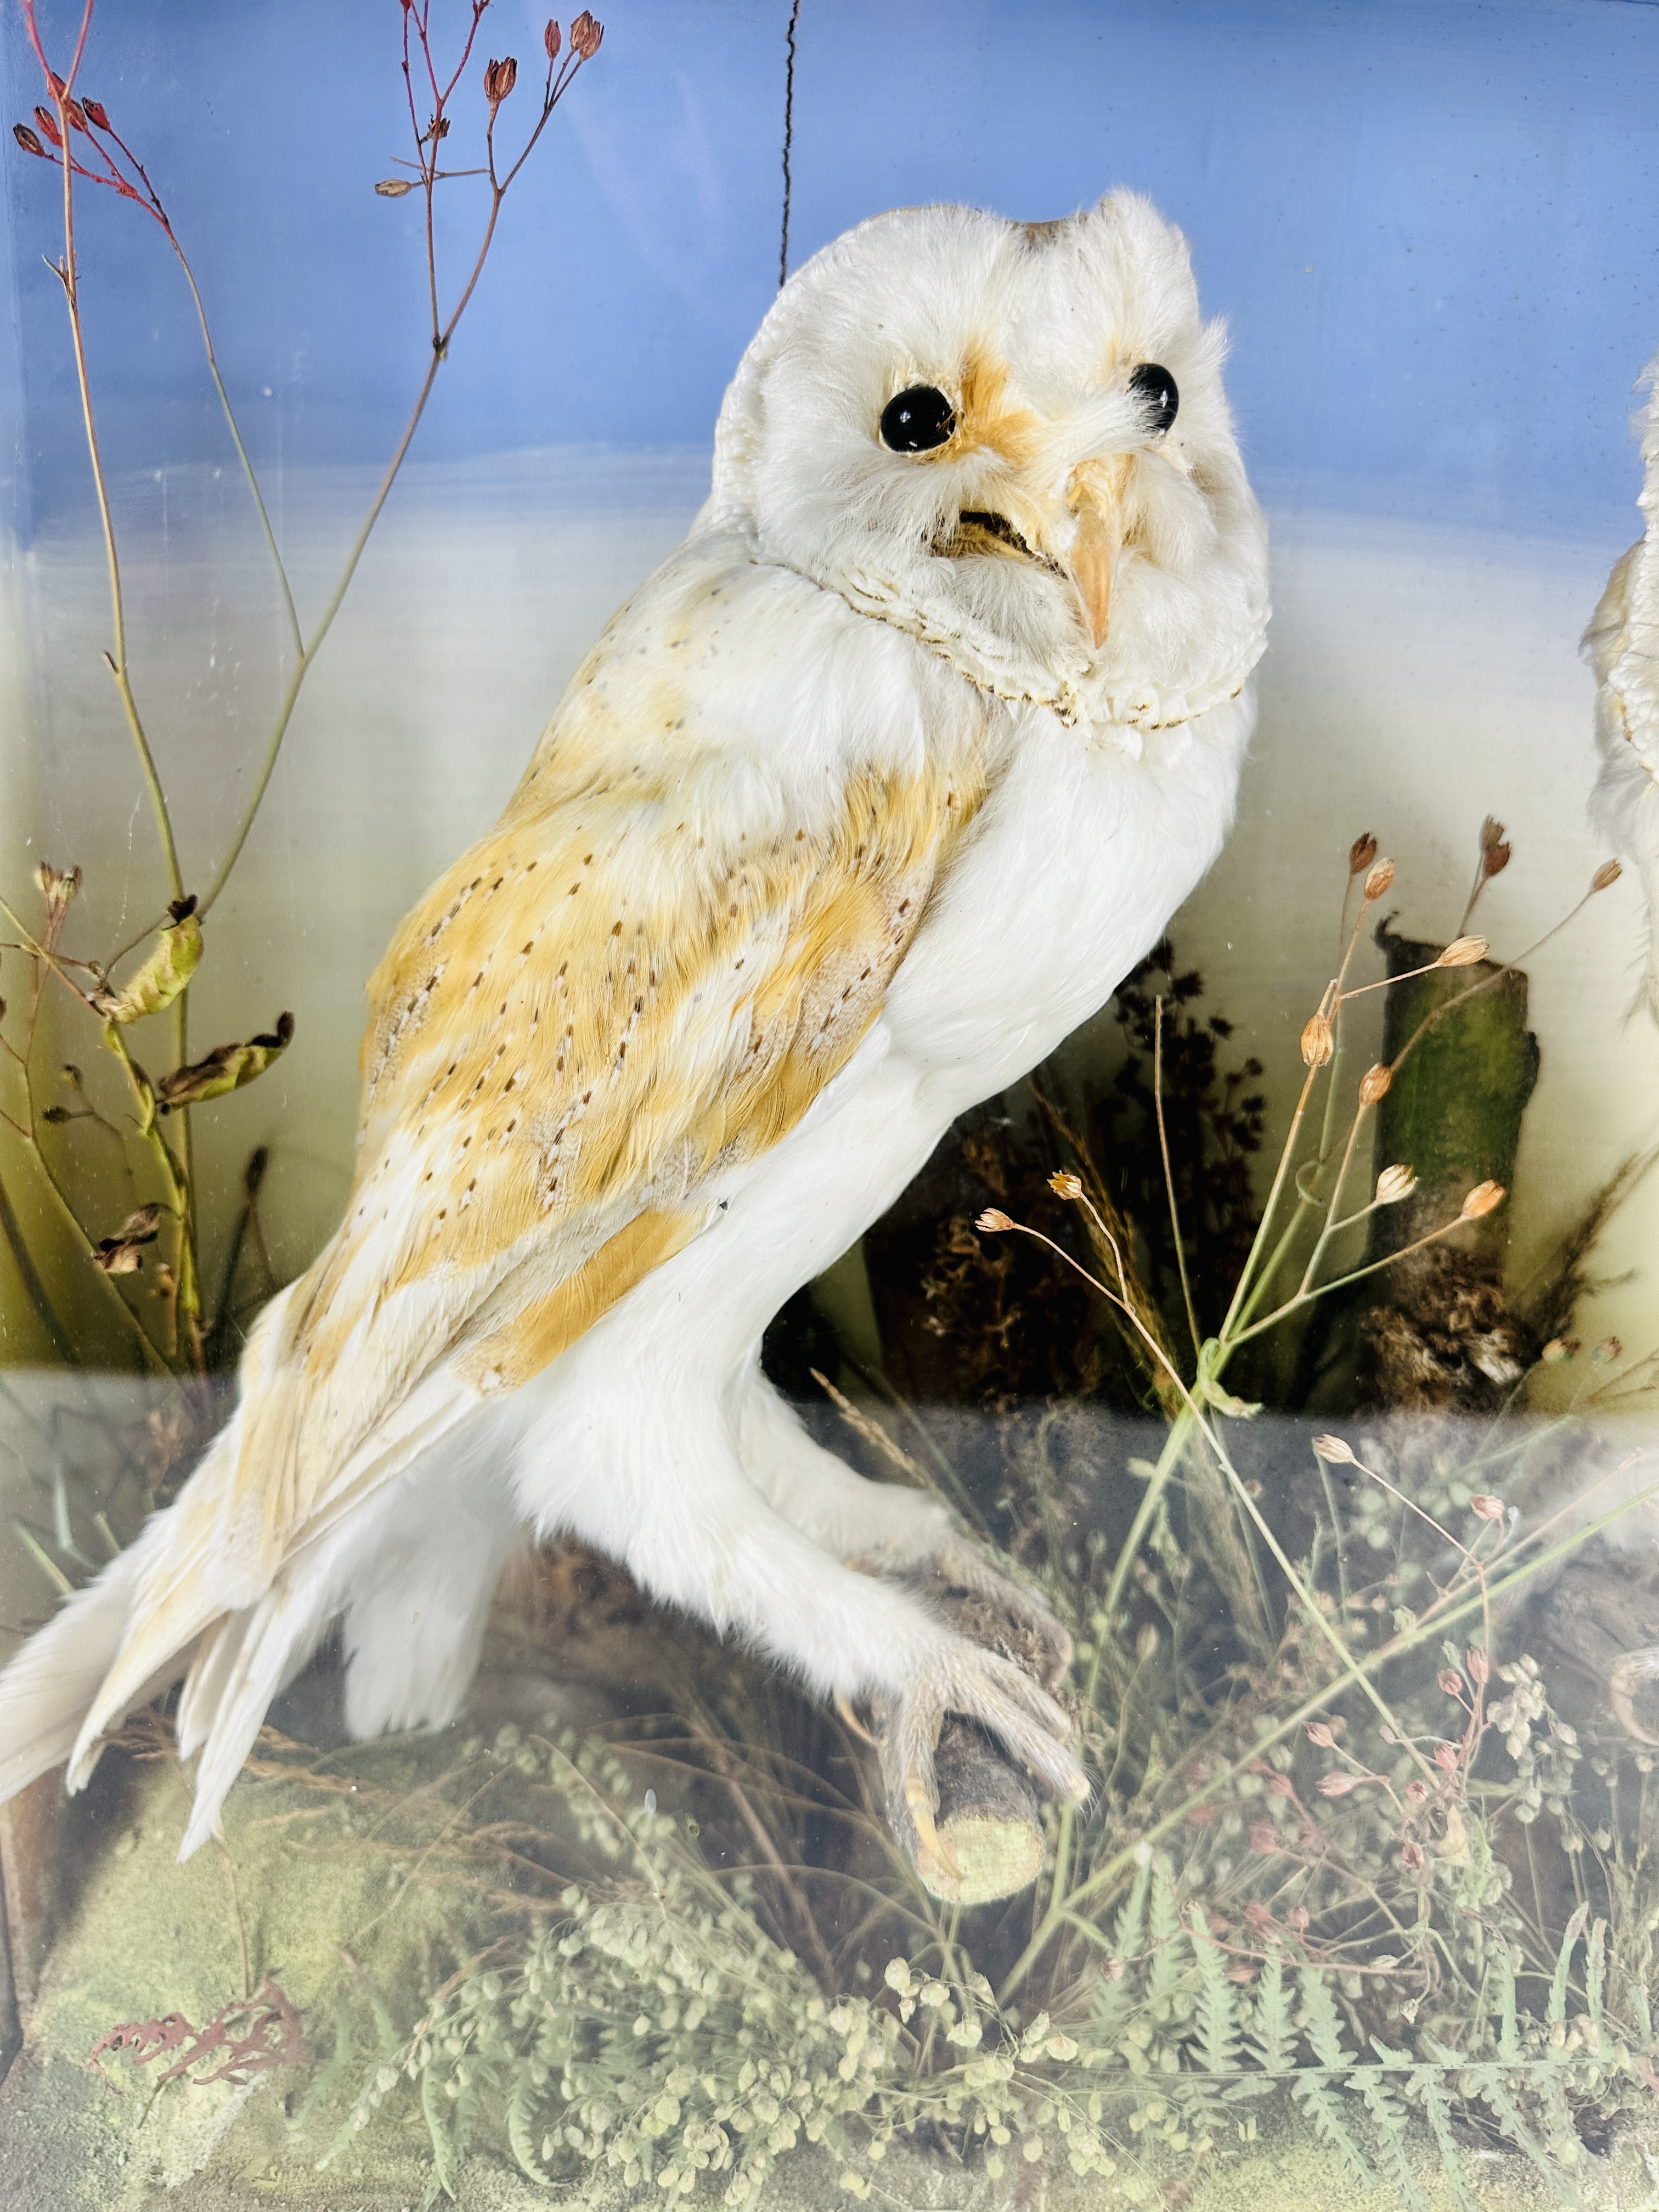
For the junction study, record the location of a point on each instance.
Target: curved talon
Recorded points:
(917, 1798)
(843, 1706)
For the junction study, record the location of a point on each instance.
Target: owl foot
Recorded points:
(999, 1698)
(1001, 1612)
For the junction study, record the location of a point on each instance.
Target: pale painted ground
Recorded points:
(1415, 681)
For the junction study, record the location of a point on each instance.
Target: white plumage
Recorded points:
(873, 793)
(1622, 646)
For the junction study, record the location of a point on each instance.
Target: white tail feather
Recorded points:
(47, 1689)
(279, 1634)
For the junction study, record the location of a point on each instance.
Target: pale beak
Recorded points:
(1094, 548)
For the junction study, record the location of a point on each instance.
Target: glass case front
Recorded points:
(922, 1467)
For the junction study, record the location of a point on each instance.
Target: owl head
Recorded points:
(1011, 439)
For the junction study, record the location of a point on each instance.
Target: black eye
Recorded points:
(1156, 389)
(917, 420)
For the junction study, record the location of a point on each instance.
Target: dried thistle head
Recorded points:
(1607, 874)
(1378, 880)
(1395, 1183)
(1482, 1199)
(1317, 1041)
(1495, 849)
(1463, 952)
(1374, 1084)
(58, 885)
(1361, 852)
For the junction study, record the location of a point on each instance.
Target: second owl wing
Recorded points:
(634, 982)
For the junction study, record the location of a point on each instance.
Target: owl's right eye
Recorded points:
(917, 420)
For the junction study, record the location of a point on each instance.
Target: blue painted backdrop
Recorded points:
(1433, 224)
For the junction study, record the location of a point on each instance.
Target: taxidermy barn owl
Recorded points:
(1622, 646)
(870, 794)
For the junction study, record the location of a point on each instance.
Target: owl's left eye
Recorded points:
(917, 420)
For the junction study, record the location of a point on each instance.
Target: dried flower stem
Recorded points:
(1169, 1176)
(1442, 1616)
(426, 144)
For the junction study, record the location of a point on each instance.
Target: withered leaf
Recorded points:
(227, 1068)
(121, 1255)
(160, 979)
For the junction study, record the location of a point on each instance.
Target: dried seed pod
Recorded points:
(585, 35)
(1486, 1507)
(551, 40)
(1395, 1183)
(1447, 1757)
(96, 114)
(1450, 1681)
(58, 885)
(1478, 1664)
(1334, 1449)
(1463, 952)
(1339, 1785)
(28, 140)
(1320, 1733)
(499, 79)
(1607, 874)
(1065, 1186)
(1317, 1041)
(1374, 1084)
(1559, 1350)
(1481, 1200)
(1361, 852)
(1378, 880)
(48, 123)
(393, 188)
(1495, 849)
(992, 1220)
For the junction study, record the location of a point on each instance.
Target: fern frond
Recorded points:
(1322, 2021)
(1428, 2086)
(1595, 1960)
(1389, 2122)
(1273, 2046)
(1574, 1928)
(1314, 2093)
(1218, 2020)
(521, 2126)
(1129, 1930)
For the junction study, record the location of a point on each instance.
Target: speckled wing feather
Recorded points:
(599, 1007)
(643, 976)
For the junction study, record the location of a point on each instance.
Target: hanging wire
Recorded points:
(788, 140)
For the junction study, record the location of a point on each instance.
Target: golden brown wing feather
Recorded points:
(598, 1007)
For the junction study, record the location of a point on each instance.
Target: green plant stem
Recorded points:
(115, 662)
(441, 344)
(34, 1289)
(252, 481)
(176, 1174)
